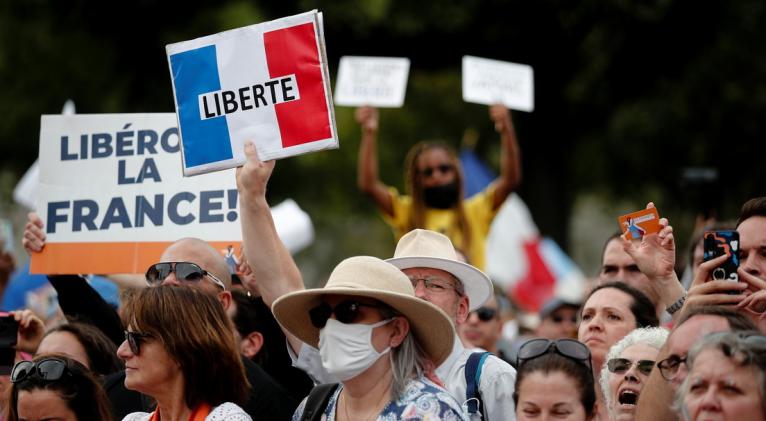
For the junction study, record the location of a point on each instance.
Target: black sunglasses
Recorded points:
(184, 271)
(134, 340)
(345, 312)
(48, 369)
(569, 348)
(485, 314)
(621, 365)
(443, 168)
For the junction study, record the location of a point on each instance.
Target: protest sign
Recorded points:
(112, 199)
(490, 82)
(373, 81)
(267, 83)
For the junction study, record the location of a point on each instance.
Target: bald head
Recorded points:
(199, 252)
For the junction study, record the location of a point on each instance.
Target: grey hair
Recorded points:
(408, 360)
(655, 337)
(741, 348)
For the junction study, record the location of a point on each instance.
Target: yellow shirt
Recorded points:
(478, 211)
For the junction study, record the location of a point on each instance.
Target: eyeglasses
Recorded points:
(569, 348)
(47, 369)
(184, 271)
(135, 339)
(345, 312)
(442, 168)
(485, 314)
(669, 366)
(622, 365)
(435, 284)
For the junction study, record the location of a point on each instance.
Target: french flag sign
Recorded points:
(266, 83)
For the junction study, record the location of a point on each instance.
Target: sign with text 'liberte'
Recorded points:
(267, 83)
(373, 81)
(489, 82)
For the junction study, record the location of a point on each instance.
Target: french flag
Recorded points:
(266, 83)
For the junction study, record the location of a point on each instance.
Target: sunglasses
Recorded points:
(443, 168)
(485, 314)
(134, 340)
(569, 348)
(184, 271)
(346, 312)
(47, 369)
(669, 366)
(622, 365)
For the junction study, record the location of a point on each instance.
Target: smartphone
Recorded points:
(9, 329)
(717, 243)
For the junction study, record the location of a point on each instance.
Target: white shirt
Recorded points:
(222, 412)
(496, 383)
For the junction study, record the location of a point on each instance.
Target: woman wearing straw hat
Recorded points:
(378, 338)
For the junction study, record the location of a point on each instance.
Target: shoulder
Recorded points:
(228, 411)
(137, 416)
(495, 366)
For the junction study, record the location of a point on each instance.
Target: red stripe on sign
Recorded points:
(294, 51)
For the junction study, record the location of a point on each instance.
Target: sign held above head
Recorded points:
(267, 83)
(492, 82)
(372, 81)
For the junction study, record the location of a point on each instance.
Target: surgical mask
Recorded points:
(441, 197)
(346, 349)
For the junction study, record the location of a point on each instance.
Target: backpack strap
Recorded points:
(317, 401)
(472, 378)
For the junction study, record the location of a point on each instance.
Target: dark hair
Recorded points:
(100, 350)
(753, 207)
(249, 317)
(79, 389)
(551, 363)
(737, 321)
(642, 308)
(194, 330)
(415, 189)
(615, 235)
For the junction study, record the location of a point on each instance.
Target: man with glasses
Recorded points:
(655, 401)
(483, 328)
(426, 257)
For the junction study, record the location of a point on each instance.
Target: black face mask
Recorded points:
(441, 197)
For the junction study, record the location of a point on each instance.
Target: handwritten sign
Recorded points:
(490, 82)
(373, 81)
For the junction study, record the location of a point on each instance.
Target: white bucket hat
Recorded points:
(365, 276)
(428, 249)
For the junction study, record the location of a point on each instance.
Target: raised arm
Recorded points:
(368, 179)
(510, 155)
(273, 267)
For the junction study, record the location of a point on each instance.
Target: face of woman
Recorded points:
(722, 390)
(606, 318)
(435, 167)
(64, 343)
(549, 396)
(625, 386)
(151, 370)
(43, 405)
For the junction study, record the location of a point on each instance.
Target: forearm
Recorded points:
(510, 156)
(367, 171)
(273, 267)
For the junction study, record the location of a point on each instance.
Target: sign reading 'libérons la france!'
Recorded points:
(266, 83)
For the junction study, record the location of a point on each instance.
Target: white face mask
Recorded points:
(346, 349)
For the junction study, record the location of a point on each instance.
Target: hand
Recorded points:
(253, 177)
(31, 331)
(34, 235)
(367, 117)
(501, 116)
(705, 291)
(756, 301)
(654, 254)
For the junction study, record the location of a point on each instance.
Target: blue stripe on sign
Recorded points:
(195, 72)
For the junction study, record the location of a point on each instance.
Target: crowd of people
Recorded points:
(416, 336)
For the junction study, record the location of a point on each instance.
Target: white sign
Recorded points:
(490, 82)
(111, 197)
(267, 83)
(373, 81)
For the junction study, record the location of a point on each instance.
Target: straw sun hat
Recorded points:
(370, 277)
(428, 249)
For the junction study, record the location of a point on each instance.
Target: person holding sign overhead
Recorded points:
(434, 181)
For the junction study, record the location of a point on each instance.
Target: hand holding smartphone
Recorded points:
(718, 243)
